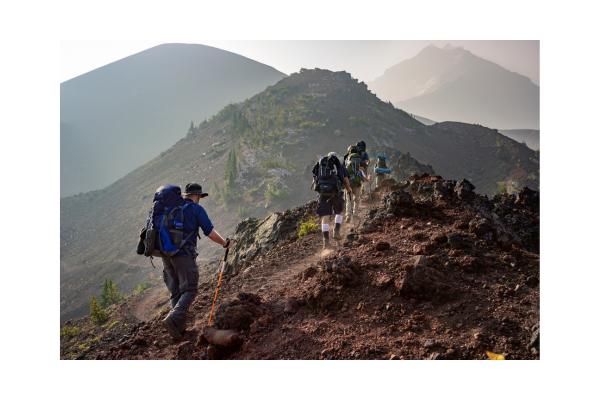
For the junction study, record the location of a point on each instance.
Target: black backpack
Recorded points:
(362, 152)
(326, 179)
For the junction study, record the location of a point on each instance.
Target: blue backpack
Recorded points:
(164, 227)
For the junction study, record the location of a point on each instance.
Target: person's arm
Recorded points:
(346, 177)
(215, 237)
(364, 177)
(347, 185)
(207, 227)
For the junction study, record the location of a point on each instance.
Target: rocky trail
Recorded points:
(434, 271)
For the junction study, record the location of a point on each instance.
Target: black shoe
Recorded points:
(326, 245)
(182, 325)
(171, 328)
(336, 232)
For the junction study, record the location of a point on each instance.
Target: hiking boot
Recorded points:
(182, 325)
(336, 232)
(171, 328)
(327, 245)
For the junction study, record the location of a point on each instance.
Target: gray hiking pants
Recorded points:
(181, 277)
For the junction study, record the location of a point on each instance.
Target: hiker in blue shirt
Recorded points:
(180, 272)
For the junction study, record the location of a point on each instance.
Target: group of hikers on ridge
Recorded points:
(329, 175)
(175, 219)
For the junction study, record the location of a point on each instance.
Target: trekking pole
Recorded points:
(352, 212)
(219, 284)
(369, 189)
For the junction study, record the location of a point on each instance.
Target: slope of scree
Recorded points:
(292, 123)
(439, 272)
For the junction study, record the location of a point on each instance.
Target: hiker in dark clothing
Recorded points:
(365, 159)
(180, 271)
(328, 205)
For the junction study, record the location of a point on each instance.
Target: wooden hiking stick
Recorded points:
(218, 284)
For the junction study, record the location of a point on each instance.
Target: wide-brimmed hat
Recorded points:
(194, 188)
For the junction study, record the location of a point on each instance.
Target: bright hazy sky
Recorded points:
(365, 60)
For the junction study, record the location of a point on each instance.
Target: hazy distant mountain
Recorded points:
(531, 137)
(452, 84)
(117, 117)
(424, 120)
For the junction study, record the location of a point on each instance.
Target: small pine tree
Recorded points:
(215, 191)
(110, 294)
(104, 294)
(97, 314)
(234, 165)
(231, 170)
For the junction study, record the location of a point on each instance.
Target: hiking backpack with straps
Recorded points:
(327, 181)
(163, 235)
(362, 152)
(353, 166)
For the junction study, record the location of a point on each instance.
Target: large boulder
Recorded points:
(482, 228)
(255, 236)
(397, 203)
(236, 314)
(421, 282)
(529, 200)
(464, 189)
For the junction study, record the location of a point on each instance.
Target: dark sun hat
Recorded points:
(194, 188)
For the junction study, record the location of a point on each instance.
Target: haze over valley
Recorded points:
(117, 117)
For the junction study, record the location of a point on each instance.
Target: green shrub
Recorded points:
(308, 124)
(215, 191)
(272, 163)
(273, 101)
(242, 212)
(303, 98)
(97, 314)
(252, 192)
(225, 113)
(307, 227)
(228, 195)
(364, 122)
(218, 150)
(142, 286)
(69, 331)
(276, 194)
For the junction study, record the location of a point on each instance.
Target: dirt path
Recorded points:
(145, 305)
(282, 274)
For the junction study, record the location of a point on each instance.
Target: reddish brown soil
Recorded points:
(351, 303)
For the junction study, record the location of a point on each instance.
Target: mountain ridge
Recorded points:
(115, 118)
(292, 123)
(455, 85)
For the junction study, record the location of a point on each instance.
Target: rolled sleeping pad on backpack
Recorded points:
(382, 157)
(383, 171)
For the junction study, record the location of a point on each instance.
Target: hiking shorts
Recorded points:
(333, 206)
